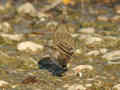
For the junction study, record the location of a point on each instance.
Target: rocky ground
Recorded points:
(26, 29)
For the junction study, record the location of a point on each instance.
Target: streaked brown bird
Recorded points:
(64, 45)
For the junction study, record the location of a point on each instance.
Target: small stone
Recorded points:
(111, 55)
(9, 4)
(75, 35)
(27, 8)
(14, 37)
(77, 87)
(5, 27)
(52, 24)
(92, 40)
(78, 51)
(66, 85)
(2, 8)
(42, 15)
(97, 52)
(103, 50)
(117, 9)
(84, 36)
(101, 11)
(93, 52)
(87, 30)
(88, 85)
(115, 18)
(3, 84)
(103, 18)
(29, 46)
(116, 87)
(80, 68)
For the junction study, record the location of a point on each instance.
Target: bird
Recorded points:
(64, 46)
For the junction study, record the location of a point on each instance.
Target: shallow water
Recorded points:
(16, 66)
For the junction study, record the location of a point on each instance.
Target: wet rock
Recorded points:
(80, 68)
(115, 18)
(103, 18)
(93, 53)
(116, 87)
(97, 52)
(92, 40)
(52, 24)
(111, 55)
(9, 4)
(2, 8)
(5, 27)
(29, 46)
(3, 84)
(77, 87)
(14, 37)
(101, 11)
(78, 52)
(88, 85)
(110, 37)
(75, 35)
(117, 9)
(84, 36)
(42, 15)
(87, 30)
(27, 8)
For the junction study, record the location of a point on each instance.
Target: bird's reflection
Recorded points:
(51, 66)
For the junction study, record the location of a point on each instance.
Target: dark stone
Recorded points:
(52, 66)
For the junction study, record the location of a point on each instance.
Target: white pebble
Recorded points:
(116, 87)
(77, 87)
(15, 37)
(92, 40)
(87, 30)
(5, 27)
(28, 45)
(78, 51)
(27, 8)
(93, 52)
(3, 83)
(82, 67)
(111, 55)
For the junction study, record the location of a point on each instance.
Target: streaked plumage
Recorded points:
(64, 45)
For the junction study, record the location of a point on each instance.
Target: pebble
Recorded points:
(88, 85)
(84, 36)
(14, 37)
(116, 87)
(78, 52)
(87, 30)
(27, 8)
(115, 18)
(29, 45)
(2, 8)
(80, 68)
(42, 15)
(97, 52)
(117, 9)
(102, 18)
(9, 5)
(75, 35)
(93, 52)
(111, 55)
(77, 87)
(3, 84)
(5, 27)
(92, 40)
